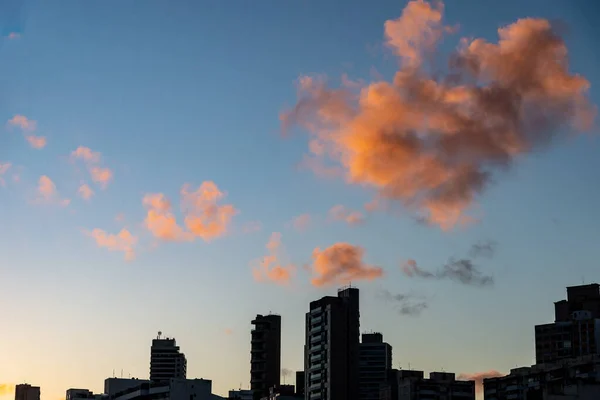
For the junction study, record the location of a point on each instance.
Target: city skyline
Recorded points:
(195, 165)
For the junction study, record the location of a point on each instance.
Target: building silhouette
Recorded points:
(265, 354)
(575, 331)
(412, 385)
(300, 383)
(331, 351)
(166, 361)
(375, 359)
(25, 391)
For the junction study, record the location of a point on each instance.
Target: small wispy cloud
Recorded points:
(6, 388)
(123, 241)
(22, 122)
(407, 304)
(48, 194)
(13, 36)
(4, 167)
(85, 192)
(100, 175)
(301, 222)
(37, 142)
(252, 226)
(341, 213)
(273, 267)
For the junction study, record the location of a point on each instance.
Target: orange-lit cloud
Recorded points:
(341, 213)
(123, 241)
(160, 220)
(478, 377)
(37, 142)
(270, 268)
(4, 167)
(340, 264)
(434, 143)
(85, 192)
(86, 154)
(301, 222)
(120, 217)
(100, 175)
(205, 217)
(47, 192)
(22, 122)
(6, 388)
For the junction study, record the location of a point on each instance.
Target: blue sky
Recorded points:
(191, 92)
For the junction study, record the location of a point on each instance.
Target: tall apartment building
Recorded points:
(166, 361)
(375, 360)
(575, 331)
(265, 354)
(27, 392)
(331, 351)
(574, 378)
(412, 385)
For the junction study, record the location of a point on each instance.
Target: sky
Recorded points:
(183, 166)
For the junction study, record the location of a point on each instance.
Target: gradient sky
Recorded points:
(174, 93)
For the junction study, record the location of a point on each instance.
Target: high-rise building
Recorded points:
(25, 391)
(331, 351)
(375, 359)
(166, 361)
(575, 331)
(300, 382)
(412, 385)
(265, 354)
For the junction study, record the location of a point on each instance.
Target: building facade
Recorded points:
(569, 379)
(331, 351)
(265, 354)
(166, 361)
(84, 394)
(172, 389)
(412, 385)
(375, 360)
(575, 331)
(27, 392)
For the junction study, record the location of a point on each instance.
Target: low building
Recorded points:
(241, 394)
(112, 386)
(569, 379)
(25, 391)
(84, 394)
(375, 359)
(283, 392)
(412, 385)
(173, 389)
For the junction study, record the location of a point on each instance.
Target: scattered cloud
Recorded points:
(161, 221)
(228, 332)
(22, 122)
(47, 192)
(301, 222)
(4, 167)
(341, 263)
(478, 377)
(13, 36)
(123, 241)
(92, 159)
(271, 268)
(6, 388)
(205, 217)
(341, 213)
(483, 249)
(37, 142)
(407, 304)
(252, 226)
(120, 217)
(435, 143)
(85, 192)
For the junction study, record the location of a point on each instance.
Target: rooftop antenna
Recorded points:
(159, 334)
(409, 367)
(121, 373)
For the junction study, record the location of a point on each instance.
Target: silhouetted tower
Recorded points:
(27, 392)
(166, 361)
(265, 354)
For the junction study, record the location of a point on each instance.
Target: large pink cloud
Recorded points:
(340, 264)
(434, 143)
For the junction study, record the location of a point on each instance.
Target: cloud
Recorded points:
(13, 36)
(102, 176)
(478, 377)
(434, 143)
(85, 192)
(6, 388)
(120, 217)
(123, 241)
(462, 270)
(205, 217)
(37, 142)
(22, 122)
(4, 167)
(341, 213)
(160, 221)
(271, 268)
(228, 332)
(47, 192)
(407, 304)
(340, 264)
(92, 159)
(301, 222)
